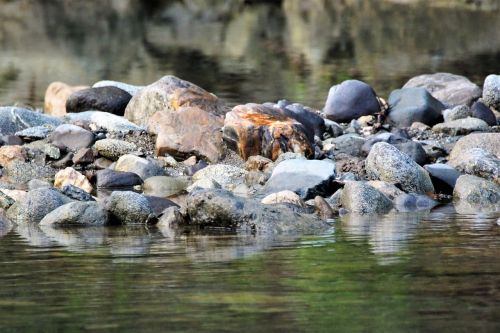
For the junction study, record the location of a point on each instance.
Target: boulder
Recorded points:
(188, 131)
(71, 137)
(104, 120)
(113, 148)
(387, 163)
(78, 213)
(255, 129)
(478, 162)
(70, 176)
(409, 105)
(163, 186)
(14, 119)
(168, 95)
(481, 111)
(115, 179)
(458, 112)
(361, 198)
(127, 207)
(143, 167)
(282, 197)
(461, 126)
(56, 95)
(449, 89)
(486, 141)
(131, 89)
(106, 99)
(491, 91)
(443, 177)
(350, 100)
(477, 191)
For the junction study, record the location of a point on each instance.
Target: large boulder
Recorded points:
(491, 91)
(449, 89)
(169, 94)
(386, 162)
(80, 213)
(478, 162)
(188, 131)
(410, 105)
(131, 89)
(143, 167)
(14, 119)
(71, 137)
(307, 178)
(486, 141)
(104, 120)
(56, 95)
(107, 99)
(255, 129)
(127, 207)
(350, 100)
(477, 191)
(361, 198)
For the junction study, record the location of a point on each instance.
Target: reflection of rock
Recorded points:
(5, 225)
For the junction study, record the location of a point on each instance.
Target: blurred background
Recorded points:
(243, 51)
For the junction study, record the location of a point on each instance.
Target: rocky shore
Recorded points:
(173, 154)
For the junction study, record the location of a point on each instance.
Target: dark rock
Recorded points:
(414, 150)
(76, 193)
(409, 105)
(66, 161)
(84, 156)
(333, 129)
(443, 177)
(71, 137)
(323, 209)
(80, 213)
(111, 179)
(481, 111)
(159, 204)
(107, 99)
(313, 122)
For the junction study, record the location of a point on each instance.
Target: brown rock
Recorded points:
(259, 163)
(9, 154)
(70, 176)
(56, 95)
(84, 156)
(255, 129)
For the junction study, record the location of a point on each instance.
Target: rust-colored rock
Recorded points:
(188, 131)
(255, 129)
(9, 154)
(56, 95)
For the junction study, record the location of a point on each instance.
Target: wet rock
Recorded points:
(486, 141)
(282, 197)
(38, 183)
(34, 133)
(169, 94)
(10, 140)
(409, 105)
(192, 169)
(387, 163)
(476, 191)
(36, 204)
(114, 179)
(76, 193)
(323, 209)
(458, 112)
(104, 120)
(129, 88)
(223, 174)
(71, 137)
(14, 119)
(478, 162)
(143, 167)
(259, 163)
(491, 91)
(159, 204)
(361, 198)
(113, 148)
(350, 100)
(443, 177)
(413, 202)
(9, 154)
(449, 89)
(481, 111)
(83, 156)
(80, 213)
(5, 201)
(70, 176)
(163, 186)
(56, 95)
(171, 216)
(461, 126)
(305, 177)
(188, 131)
(107, 99)
(387, 189)
(127, 207)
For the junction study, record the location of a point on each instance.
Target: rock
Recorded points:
(387, 189)
(11, 140)
(283, 197)
(382, 137)
(34, 133)
(163, 186)
(413, 202)
(38, 183)
(145, 168)
(305, 177)
(205, 183)
(102, 163)
(486, 141)
(387, 163)
(56, 95)
(17, 195)
(188, 131)
(36, 204)
(76, 193)
(104, 120)
(478, 162)
(115, 179)
(323, 209)
(409, 105)
(46, 148)
(80, 213)
(289, 156)
(449, 89)
(312, 121)
(160, 204)
(168, 95)
(131, 89)
(5, 201)
(113, 149)
(19, 172)
(71, 137)
(333, 129)
(255, 129)
(127, 207)
(83, 156)
(481, 111)
(350, 100)
(9, 154)
(350, 144)
(361, 198)
(414, 150)
(491, 91)
(171, 216)
(223, 174)
(443, 177)
(64, 162)
(259, 163)
(220, 208)
(107, 99)
(458, 112)
(461, 126)
(70, 176)
(476, 191)
(14, 119)
(191, 170)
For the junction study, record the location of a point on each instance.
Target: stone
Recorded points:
(387, 189)
(127, 207)
(143, 167)
(19, 172)
(476, 191)
(38, 183)
(46, 148)
(83, 156)
(36, 204)
(164, 186)
(131, 89)
(17, 195)
(312, 121)
(385, 162)
(409, 105)
(192, 169)
(486, 141)
(76, 193)
(9, 154)
(71, 137)
(70, 176)
(104, 120)
(188, 131)
(288, 197)
(11, 140)
(333, 129)
(56, 95)
(79, 213)
(106, 99)
(255, 129)
(113, 148)
(457, 112)
(170, 217)
(461, 126)
(413, 202)
(159, 204)
(478, 162)
(443, 177)
(361, 198)
(481, 111)
(223, 174)
(14, 119)
(323, 209)
(117, 179)
(414, 150)
(491, 91)
(449, 89)
(102, 163)
(350, 100)
(259, 163)
(350, 144)
(34, 133)
(64, 162)
(205, 183)
(6, 201)
(169, 94)
(307, 178)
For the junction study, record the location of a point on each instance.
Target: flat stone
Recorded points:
(461, 126)
(107, 99)
(80, 213)
(113, 149)
(71, 137)
(56, 95)
(107, 121)
(409, 105)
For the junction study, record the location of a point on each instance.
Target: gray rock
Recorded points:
(448, 88)
(35, 133)
(78, 213)
(491, 91)
(387, 163)
(458, 112)
(312, 121)
(350, 144)
(307, 178)
(443, 177)
(409, 147)
(38, 183)
(83, 156)
(48, 149)
(76, 193)
(5, 202)
(413, 202)
(163, 186)
(108, 178)
(333, 129)
(223, 174)
(107, 121)
(14, 119)
(22, 172)
(387, 189)
(171, 216)
(107, 99)
(461, 126)
(478, 162)
(11, 140)
(160, 204)
(131, 89)
(289, 156)
(361, 198)
(71, 137)
(128, 207)
(481, 111)
(477, 191)
(145, 168)
(113, 149)
(486, 141)
(409, 105)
